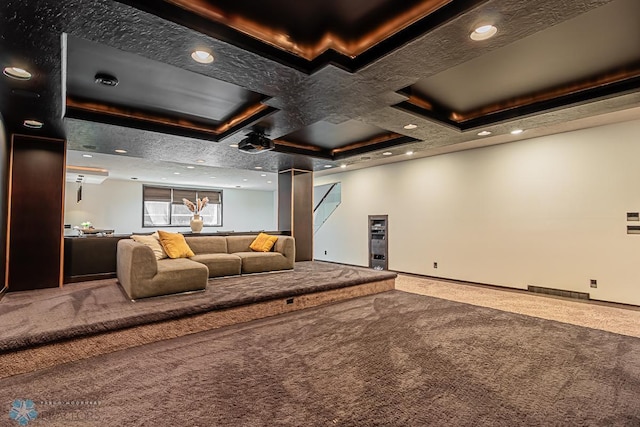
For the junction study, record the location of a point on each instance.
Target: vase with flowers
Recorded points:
(196, 208)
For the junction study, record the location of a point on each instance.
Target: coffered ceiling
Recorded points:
(331, 82)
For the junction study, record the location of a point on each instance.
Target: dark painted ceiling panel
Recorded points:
(307, 22)
(150, 85)
(329, 135)
(580, 48)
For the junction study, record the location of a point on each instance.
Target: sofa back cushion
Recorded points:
(153, 241)
(207, 244)
(239, 243)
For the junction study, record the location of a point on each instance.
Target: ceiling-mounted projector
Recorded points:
(256, 142)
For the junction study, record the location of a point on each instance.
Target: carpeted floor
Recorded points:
(47, 315)
(393, 359)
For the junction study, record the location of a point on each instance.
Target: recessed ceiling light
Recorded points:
(233, 145)
(387, 153)
(199, 161)
(328, 166)
(202, 57)
(245, 180)
(163, 178)
(258, 167)
(263, 174)
(268, 182)
(17, 73)
(343, 166)
(191, 167)
(88, 156)
(32, 124)
(484, 133)
(410, 126)
(120, 151)
(409, 153)
(483, 33)
(176, 173)
(516, 131)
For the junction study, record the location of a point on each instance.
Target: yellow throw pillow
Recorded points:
(153, 242)
(174, 245)
(263, 243)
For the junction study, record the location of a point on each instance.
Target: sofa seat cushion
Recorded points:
(220, 264)
(173, 276)
(258, 262)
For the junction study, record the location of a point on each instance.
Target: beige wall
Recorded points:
(548, 211)
(117, 204)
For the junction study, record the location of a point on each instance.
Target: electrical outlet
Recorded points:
(325, 252)
(594, 283)
(289, 301)
(435, 265)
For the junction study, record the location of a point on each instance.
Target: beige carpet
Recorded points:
(615, 318)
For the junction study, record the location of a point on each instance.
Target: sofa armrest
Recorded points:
(135, 263)
(286, 245)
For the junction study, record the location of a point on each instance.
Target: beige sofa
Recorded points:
(141, 275)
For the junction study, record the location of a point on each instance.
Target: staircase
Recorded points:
(330, 197)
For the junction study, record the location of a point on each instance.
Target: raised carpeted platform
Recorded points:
(39, 317)
(393, 359)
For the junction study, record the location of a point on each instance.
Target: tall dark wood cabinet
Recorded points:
(295, 209)
(4, 179)
(36, 213)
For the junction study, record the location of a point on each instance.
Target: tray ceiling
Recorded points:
(331, 82)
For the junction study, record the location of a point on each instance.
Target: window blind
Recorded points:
(156, 194)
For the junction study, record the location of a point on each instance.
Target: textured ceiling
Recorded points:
(302, 104)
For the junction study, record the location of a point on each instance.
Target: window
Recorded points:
(163, 206)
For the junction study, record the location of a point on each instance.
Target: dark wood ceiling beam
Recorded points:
(244, 119)
(330, 48)
(284, 146)
(610, 84)
(74, 104)
(103, 113)
(329, 40)
(380, 142)
(601, 81)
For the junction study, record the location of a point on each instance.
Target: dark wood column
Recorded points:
(35, 220)
(4, 178)
(295, 209)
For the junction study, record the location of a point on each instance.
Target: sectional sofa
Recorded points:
(142, 275)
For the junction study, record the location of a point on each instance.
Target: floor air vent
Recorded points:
(558, 292)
